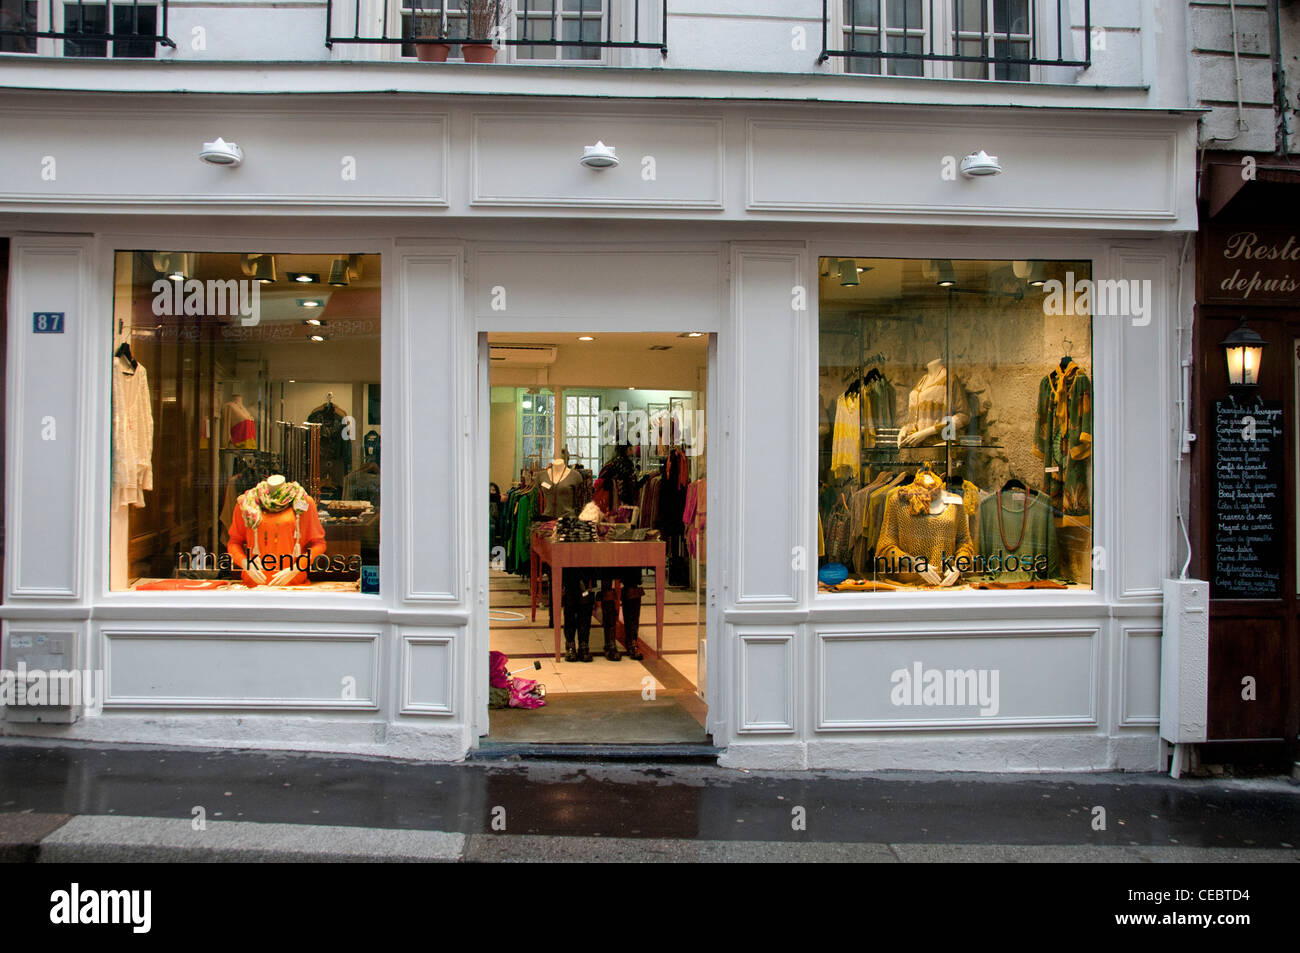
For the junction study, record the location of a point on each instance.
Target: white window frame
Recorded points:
(573, 441)
(943, 29)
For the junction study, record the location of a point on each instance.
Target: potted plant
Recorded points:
(430, 23)
(483, 24)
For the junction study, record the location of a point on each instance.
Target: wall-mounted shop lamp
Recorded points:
(980, 164)
(220, 152)
(1244, 349)
(599, 156)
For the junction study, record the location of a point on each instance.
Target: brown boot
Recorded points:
(632, 619)
(609, 621)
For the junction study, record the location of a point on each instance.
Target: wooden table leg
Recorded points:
(659, 609)
(557, 610)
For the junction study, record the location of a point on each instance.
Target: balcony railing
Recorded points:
(130, 29)
(981, 39)
(552, 25)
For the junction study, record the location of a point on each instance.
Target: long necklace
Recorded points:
(1024, 521)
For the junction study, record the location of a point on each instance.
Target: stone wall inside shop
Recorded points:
(1000, 349)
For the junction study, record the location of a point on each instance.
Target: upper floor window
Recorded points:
(960, 39)
(521, 31)
(110, 30)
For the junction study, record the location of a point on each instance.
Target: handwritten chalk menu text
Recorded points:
(1248, 523)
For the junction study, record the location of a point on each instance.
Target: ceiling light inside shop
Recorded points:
(318, 337)
(259, 267)
(310, 302)
(1037, 275)
(947, 278)
(339, 272)
(586, 337)
(848, 273)
(304, 277)
(314, 322)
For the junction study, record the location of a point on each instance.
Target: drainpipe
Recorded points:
(1279, 81)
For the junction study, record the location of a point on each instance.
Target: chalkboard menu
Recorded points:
(1248, 525)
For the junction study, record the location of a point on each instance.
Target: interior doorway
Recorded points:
(597, 580)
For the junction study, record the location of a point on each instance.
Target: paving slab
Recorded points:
(20, 833)
(523, 848)
(112, 839)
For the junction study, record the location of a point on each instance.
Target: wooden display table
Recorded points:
(608, 555)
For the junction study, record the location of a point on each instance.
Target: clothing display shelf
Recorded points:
(954, 453)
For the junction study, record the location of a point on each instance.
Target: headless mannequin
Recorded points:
(558, 483)
(924, 435)
(238, 428)
(273, 537)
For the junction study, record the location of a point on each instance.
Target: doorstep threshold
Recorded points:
(676, 753)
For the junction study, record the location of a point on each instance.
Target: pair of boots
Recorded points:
(577, 622)
(631, 621)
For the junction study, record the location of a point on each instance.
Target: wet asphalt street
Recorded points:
(661, 801)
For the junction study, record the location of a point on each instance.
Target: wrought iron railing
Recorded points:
(128, 28)
(518, 24)
(898, 37)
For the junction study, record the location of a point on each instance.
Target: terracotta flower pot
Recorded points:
(479, 52)
(432, 52)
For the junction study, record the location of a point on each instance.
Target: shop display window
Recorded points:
(955, 443)
(246, 444)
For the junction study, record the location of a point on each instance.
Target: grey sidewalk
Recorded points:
(65, 802)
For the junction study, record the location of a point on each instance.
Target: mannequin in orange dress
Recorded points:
(278, 522)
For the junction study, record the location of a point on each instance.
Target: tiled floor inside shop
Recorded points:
(600, 701)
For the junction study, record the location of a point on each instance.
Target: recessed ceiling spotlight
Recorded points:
(309, 302)
(304, 277)
(318, 337)
(695, 334)
(586, 337)
(314, 322)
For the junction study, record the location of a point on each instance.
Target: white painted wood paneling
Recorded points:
(433, 426)
(373, 157)
(1139, 685)
(248, 668)
(766, 680)
(1044, 677)
(666, 161)
(894, 165)
(47, 441)
(429, 671)
(770, 356)
(598, 288)
(1144, 419)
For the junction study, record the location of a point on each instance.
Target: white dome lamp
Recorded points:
(599, 156)
(220, 152)
(980, 164)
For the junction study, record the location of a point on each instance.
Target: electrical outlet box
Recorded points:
(42, 684)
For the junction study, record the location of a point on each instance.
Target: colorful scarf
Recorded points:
(1060, 393)
(265, 499)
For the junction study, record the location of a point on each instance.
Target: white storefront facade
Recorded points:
(718, 220)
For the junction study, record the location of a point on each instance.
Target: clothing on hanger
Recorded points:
(132, 435)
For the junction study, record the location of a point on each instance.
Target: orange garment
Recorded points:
(275, 538)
